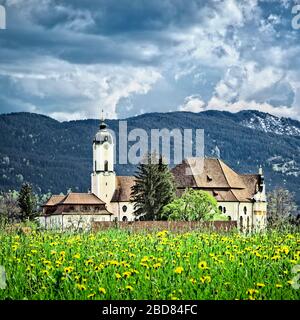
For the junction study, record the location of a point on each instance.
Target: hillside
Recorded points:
(57, 156)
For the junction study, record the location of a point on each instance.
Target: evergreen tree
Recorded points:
(27, 202)
(153, 188)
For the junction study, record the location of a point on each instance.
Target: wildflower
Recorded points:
(91, 295)
(205, 279)
(88, 262)
(68, 269)
(80, 286)
(193, 281)
(278, 285)
(102, 290)
(53, 252)
(45, 272)
(157, 265)
(178, 270)
(129, 288)
(202, 265)
(62, 253)
(251, 292)
(260, 285)
(126, 274)
(118, 276)
(275, 258)
(76, 256)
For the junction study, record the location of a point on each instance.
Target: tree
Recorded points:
(153, 188)
(27, 202)
(193, 205)
(9, 209)
(282, 208)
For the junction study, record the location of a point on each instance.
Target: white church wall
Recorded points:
(117, 208)
(74, 221)
(231, 209)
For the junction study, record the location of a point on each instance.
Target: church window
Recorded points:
(124, 208)
(248, 224)
(124, 219)
(245, 210)
(105, 165)
(241, 223)
(224, 210)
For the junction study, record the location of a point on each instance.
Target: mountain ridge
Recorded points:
(56, 156)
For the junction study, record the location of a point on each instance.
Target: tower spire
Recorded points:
(102, 123)
(102, 115)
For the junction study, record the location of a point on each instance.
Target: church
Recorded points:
(241, 197)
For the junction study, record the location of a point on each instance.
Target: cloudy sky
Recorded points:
(70, 58)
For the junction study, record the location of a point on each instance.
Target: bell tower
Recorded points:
(103, 178)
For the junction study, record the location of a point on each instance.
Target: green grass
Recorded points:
(120, 265)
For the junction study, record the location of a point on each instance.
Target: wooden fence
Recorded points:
(178, 226)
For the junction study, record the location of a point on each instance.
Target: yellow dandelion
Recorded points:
(251, 292)
(202, 265)
(129, 288)
(178, 270)
(205, 279)
(126, 274)
(45, 272)
(102, 290)
(80, 286)
(260, 285)
(68, 269)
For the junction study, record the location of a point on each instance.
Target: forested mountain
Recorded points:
(55, 156)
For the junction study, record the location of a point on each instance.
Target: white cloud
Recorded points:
(193, 104)
(79, 90)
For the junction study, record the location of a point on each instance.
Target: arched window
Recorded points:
(248, 224)
(105, 165)
(241, 223)
(245, 210)
(224, 210)
(124, 208)
(220, 208)
(124, 219)
(229, 218)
